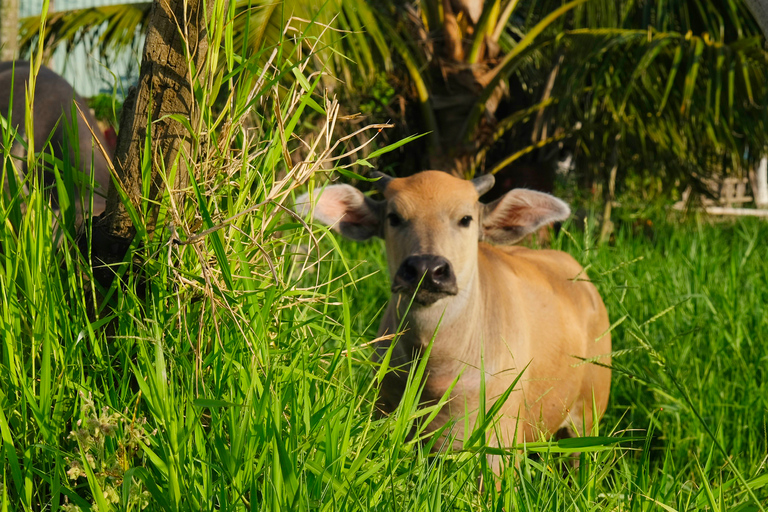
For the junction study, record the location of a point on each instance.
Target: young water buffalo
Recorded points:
(53, 106)
(498, 307)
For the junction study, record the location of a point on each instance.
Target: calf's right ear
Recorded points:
(519, 212)
(346, 210)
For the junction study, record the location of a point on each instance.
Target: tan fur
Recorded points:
(515, 307)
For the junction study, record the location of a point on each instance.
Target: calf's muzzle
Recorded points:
(438, 278)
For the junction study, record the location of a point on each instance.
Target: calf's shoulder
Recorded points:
(540, 272)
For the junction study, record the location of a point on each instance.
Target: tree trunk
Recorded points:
(9, 30)
(164, 89)
(177, 28)
(610, 195)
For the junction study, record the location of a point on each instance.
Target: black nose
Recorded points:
(437, 273)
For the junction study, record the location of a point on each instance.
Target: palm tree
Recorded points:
(165, 67)
(664, 90)
(465, 62)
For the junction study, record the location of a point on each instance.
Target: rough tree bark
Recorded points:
(9, 29)
(176, 43)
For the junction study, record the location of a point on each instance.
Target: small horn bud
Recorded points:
(483, 183)
(382, 182)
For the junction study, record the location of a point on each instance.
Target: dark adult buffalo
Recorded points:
(53, 117)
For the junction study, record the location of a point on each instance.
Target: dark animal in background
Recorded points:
(53, 107)
(530, 176)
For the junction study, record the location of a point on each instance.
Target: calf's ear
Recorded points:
(346, 210)
(519, 212)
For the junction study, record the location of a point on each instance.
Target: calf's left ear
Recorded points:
(519, 212)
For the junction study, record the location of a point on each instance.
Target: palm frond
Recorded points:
(116, 26)
(336, 27)
(670, 98)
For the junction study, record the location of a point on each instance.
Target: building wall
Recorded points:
(81, 68)
(34, 7)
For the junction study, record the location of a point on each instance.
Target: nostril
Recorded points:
(408, 272)
(440, 271)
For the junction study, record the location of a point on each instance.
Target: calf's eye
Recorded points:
(465, 221)
(394, 220)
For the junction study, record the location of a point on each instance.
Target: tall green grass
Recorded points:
(232, 372)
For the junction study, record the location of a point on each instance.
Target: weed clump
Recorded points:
(109, 443)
